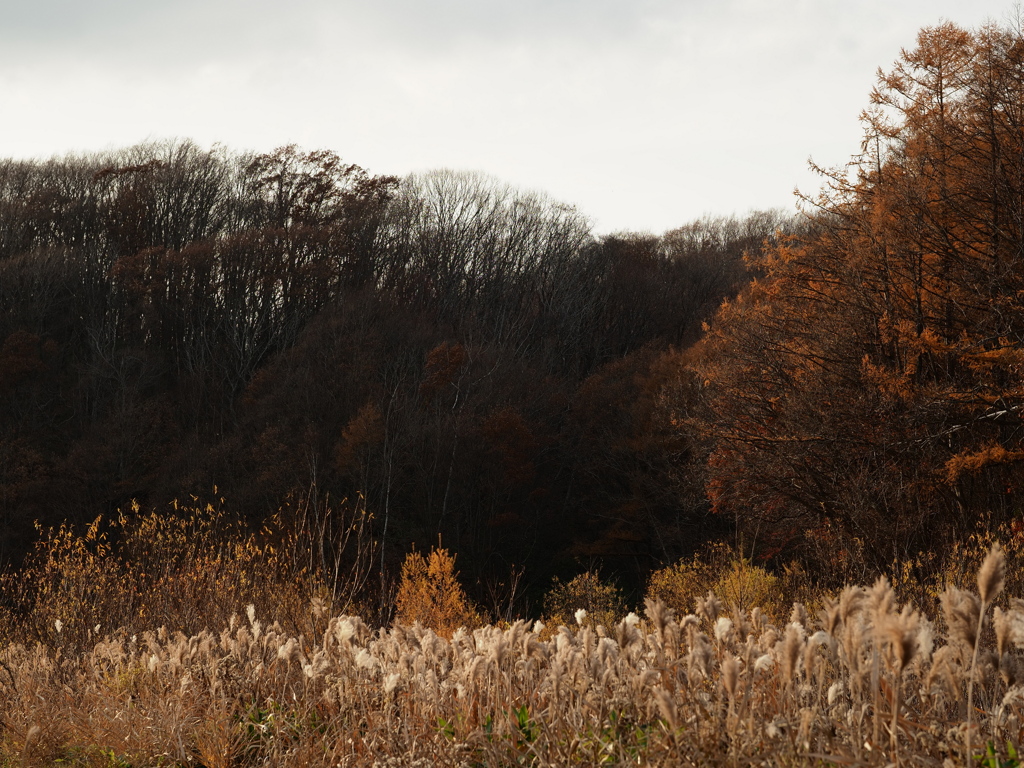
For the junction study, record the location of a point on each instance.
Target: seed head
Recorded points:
(792, 646)
(391, 682)
(318, 606)
(730, 675)
(943, 671)
(818, 639)
(722, 628)
(992, 575)
(364, 660)
(834, 691)
(961, 610)
(900, 631)
(709, 607)
(850, 601)
(829, 616)
(1004, 629)
(881, 599)
(667, 706)
(657, 614)
(1009, 669)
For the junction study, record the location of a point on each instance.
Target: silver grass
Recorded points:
(816, 641)
(992, 575)
(700, 656)
(944, 670)
(1013, 626)
(730, 676)
(723, 626)
(834, 692)
(667, 706)
(804, 732)
(607, 651)
(791, 646)
(962, 611)
(1002, 623)
(626, 633)
(1009, 669)
(756, 620)
(741, 623)
(881, 599)
(901, 633)
(498, 650)
(829, 616)
(709, 607)
(851, 601)
(768, 639)
(318, 607)
(658, 614)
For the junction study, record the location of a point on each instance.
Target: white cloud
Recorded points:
(644, 114)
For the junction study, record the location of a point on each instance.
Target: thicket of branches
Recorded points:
(466, 358)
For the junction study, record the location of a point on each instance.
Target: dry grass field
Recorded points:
(864, 681)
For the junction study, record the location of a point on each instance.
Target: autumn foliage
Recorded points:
(185, 568)
(864, 395)
(430, 594)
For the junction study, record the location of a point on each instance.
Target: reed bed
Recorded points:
(865, 682)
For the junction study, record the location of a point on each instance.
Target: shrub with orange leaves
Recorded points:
(430, 593)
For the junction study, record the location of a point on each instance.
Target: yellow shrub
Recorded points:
(430, 593)
(923, 578)
(734, 580)
(678, 586)
(70, 584)
(748, 586)
(189, 568)
(602, 602)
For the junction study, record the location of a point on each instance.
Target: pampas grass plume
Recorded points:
(792, 645)
(723, 626)
(667, 707)
(730, 676)
(962, 611)
(992, 575)
(901, 631)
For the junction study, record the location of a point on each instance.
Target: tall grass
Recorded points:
(866, 681)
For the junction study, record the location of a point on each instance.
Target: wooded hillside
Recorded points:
(464, 359)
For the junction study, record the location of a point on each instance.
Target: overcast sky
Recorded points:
(645, 114)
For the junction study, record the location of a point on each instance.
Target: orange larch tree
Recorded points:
(868, 389)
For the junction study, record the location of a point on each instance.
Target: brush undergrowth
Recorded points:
(866, 679)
